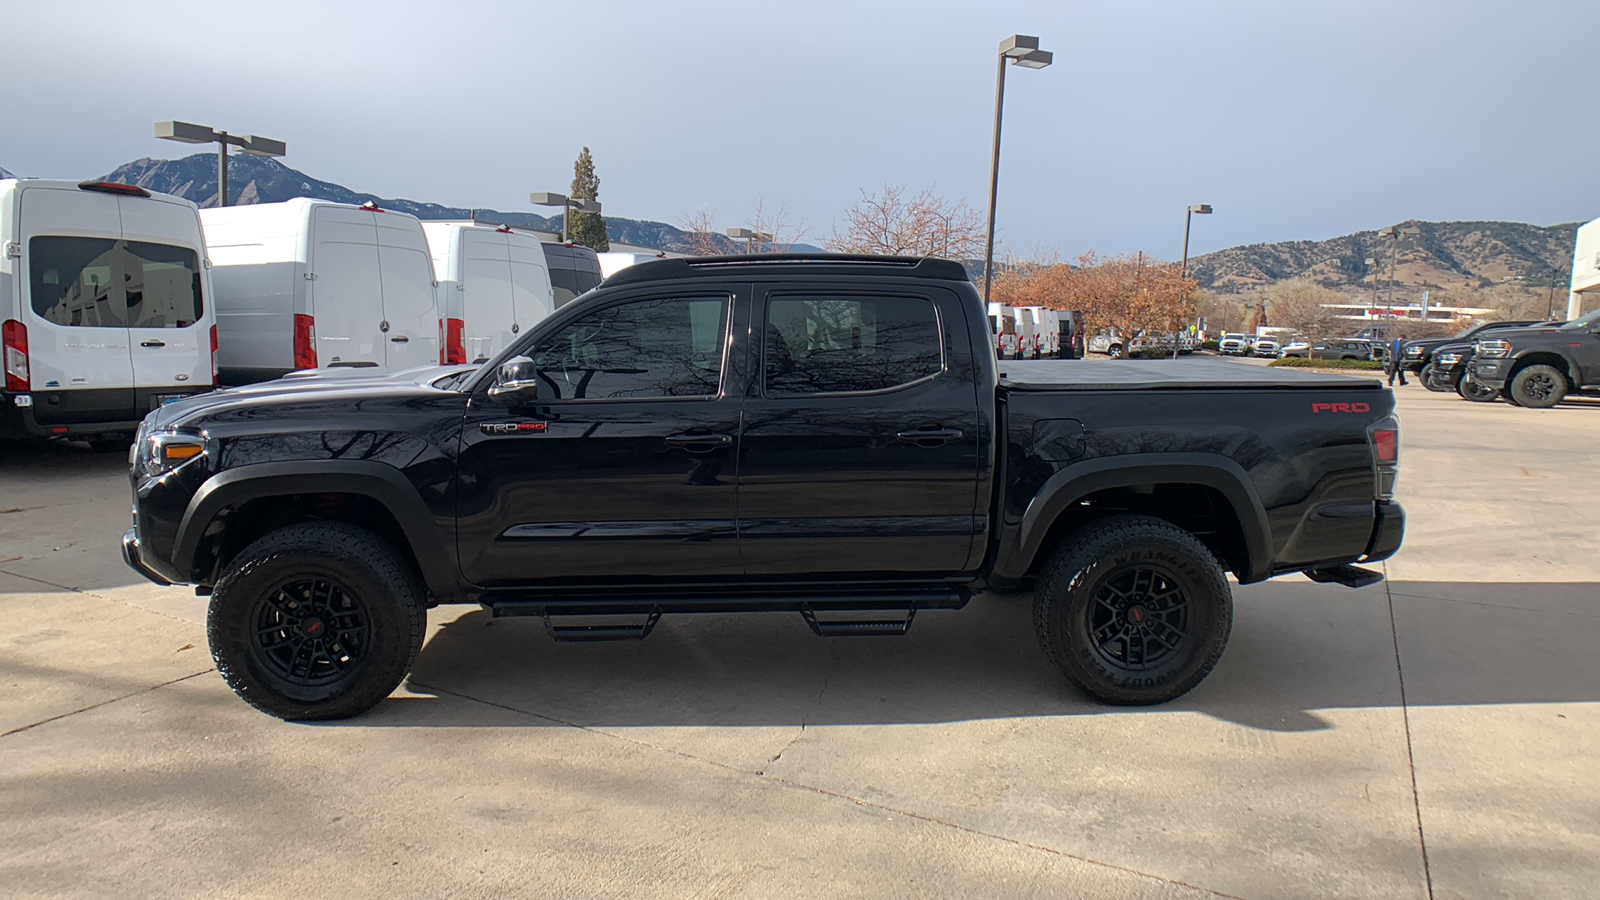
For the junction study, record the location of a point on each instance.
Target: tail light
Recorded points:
(14, 335)
(305, 342)
(1384, 437)
(214, 381)
(452, 349)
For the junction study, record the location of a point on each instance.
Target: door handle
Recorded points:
(930, 437)
(400, 340)
(699, 443)
(152, 343)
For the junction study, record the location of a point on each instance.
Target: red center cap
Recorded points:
(1136, 615)
(312, 627)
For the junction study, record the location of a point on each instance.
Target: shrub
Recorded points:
(1210, 345)
(1296, 362)
(1154, 352)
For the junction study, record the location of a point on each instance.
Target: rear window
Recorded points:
(101, 282)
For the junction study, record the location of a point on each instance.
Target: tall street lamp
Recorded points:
(1198, 209)
(1018, 50)
(252, 144)
(750, 237)
(1396, 232)
(569, 205)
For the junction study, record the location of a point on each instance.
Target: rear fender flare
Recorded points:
(1212, 470)
(383, 483)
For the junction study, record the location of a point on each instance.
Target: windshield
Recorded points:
(1582, 322)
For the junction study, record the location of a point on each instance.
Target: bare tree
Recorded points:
(701, 237)
(1302, 305)
(889, 223)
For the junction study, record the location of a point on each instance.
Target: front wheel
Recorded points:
(1133, 610)
(1478, 393)
(1538, 387)
(1115, 352)
(317, 620)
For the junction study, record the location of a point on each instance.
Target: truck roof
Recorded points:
(844, 264)
(1159, 374)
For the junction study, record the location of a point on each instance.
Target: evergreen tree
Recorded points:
(588, 229)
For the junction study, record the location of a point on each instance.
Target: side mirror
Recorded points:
(517, 382)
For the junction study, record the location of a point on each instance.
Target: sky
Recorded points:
(1295, 120)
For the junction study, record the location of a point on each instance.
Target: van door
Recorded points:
(533, 297)
(487, 306)
(169, 320)
(410, 308)
(80, 367)
(347, 293)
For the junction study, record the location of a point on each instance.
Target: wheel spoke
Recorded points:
(310, 631)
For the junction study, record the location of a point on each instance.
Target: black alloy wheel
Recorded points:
(310, 632)
(1478, 393)
(1133, 610)
(1538, 387)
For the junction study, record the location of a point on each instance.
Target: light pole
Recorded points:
(1395, 232)
(1200, 209)
(569, 205)
(750, 237)
(1018, 50)
(254, 145)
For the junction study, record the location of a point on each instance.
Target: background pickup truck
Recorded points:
(815, 434)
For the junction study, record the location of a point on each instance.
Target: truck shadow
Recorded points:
(1296, 648)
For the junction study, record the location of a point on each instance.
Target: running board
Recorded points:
(577, 633)
(859, 627)
(1346, 574)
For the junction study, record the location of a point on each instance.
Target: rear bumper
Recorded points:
(17, 422)
(136, 561)
(1388, 531)
(81, 413)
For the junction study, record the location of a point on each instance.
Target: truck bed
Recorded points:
(1167, 374)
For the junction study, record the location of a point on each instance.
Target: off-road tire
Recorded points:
(268, 579)
(1538, 387)
(1096, 562)
(1477, 393)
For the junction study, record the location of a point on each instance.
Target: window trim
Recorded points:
(721, 392)
(766, 307)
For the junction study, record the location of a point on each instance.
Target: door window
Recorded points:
(101, 282)
(840, 345)
(671, 347)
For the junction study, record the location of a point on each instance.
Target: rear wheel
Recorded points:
(1133, 610)
(1538, 387)
(1472, 390)
(318, 620)
(1115, 352)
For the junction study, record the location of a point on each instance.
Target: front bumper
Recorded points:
(1388, 531)
(137, 562)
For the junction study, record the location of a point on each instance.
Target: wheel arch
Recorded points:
(1545, 358)
(1217, 476)
(405, 518)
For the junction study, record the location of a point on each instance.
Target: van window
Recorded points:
(830, 346)
(106, 283)
(639, 350)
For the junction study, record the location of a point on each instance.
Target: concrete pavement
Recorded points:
(1428, 737)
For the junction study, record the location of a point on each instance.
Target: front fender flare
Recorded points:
(380, 481)
(1076, 481)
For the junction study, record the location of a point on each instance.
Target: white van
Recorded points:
(1003, 330)
(574, 271)
(614, 261)
(105, 308)
(1046, 336)
(493, 283)
(311, 283)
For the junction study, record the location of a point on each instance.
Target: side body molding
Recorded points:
(1072, 483)
(380, 481)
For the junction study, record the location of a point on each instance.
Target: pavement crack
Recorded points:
(1405, 717)
(154, 687)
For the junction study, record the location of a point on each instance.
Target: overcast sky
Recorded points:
(1295, 120)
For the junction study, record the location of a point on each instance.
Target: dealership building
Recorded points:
(1585, 294)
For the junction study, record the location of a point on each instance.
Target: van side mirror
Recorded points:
(517, 382)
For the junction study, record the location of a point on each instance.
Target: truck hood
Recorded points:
(339, 385)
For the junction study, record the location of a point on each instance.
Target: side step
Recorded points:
(576, 633)
(1346, 574)
(859, 627)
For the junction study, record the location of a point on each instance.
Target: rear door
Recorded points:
(410, 324)
(347, 293)
(860, 447)
(80, 366)
(487, 303)
(169, 320)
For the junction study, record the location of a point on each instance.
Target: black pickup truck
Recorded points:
(1537, 367)
(815, 434)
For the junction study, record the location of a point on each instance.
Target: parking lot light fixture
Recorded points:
(569, 205)
(1198, 209)
(1394, 232)
(1018, 50)
(749, 237)
(250, 144)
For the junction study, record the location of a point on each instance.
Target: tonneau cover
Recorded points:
(1183, 373)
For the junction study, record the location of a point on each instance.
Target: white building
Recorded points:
(1585, 294)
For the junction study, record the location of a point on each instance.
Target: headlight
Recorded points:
(1449, 359)
(1494, 349)
(161, 453)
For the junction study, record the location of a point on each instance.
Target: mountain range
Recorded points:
(1452, 255)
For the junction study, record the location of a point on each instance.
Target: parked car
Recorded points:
(1341, 349)
(1538, 367)
(1301, 349)
(106, 308)
(1418, 353)
(1264, 345)
(623, 458)
(308, 283)
(1112, 345)
(493, 282)
(1234, 344)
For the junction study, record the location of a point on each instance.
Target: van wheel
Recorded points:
(318, 620)
(1538, 387)
(1133, 610)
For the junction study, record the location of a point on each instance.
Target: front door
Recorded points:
(624, 466)
(860, 447)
